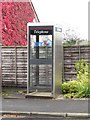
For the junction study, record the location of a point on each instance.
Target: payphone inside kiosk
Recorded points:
(44, 59)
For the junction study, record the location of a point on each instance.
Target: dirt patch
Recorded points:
(13, 92)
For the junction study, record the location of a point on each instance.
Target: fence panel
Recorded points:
(8, 65)
(71, 55)
(14, 66)
(14, 63)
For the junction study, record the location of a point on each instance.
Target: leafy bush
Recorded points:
(84, 89)
(82, 69)
(80, 87)
(65, 88)
(70, 87)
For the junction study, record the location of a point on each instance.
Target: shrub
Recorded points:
(84, 89)
(82, 69)
(70, 87)
(80, 87)
(65, 88)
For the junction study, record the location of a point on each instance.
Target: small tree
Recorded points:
(70, 37)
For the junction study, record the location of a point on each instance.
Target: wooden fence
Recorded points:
(71, 55)
(14, 63)
(14, 66)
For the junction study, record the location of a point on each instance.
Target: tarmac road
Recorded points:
(45, 105)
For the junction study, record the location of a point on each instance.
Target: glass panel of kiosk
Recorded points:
(41, 58)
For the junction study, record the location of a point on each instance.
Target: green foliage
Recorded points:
(69, 87)
(65, 88)
(69, 95)
(82, 69)
(80, 87)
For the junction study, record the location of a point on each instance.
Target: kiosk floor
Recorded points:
(38, 94)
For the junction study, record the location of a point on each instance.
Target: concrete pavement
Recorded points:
(17, 103)
(45, 105)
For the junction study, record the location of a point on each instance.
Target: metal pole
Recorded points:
(37, 57)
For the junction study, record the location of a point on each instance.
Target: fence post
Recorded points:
(16, 65)
(79, 51)
(63, 65)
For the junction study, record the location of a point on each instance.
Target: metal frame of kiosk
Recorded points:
(45, 55)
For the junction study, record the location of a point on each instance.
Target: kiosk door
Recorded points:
(41, 59)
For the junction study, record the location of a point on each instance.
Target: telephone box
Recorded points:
(45, 53)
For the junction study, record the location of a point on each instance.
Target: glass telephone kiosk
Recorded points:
(44, 59)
